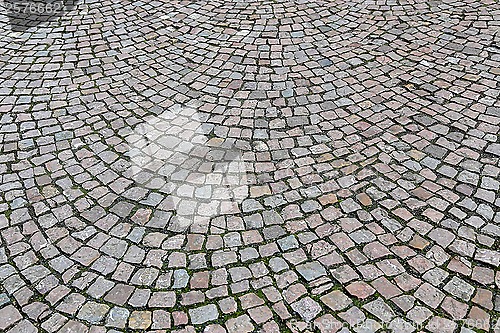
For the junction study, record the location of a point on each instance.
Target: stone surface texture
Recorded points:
(250, 166)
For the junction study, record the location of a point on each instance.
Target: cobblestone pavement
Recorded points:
(251, 166)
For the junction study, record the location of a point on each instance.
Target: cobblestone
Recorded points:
(250, 166)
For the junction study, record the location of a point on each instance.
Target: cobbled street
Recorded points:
(250, 166)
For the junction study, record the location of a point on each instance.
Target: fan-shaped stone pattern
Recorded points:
(364, 137)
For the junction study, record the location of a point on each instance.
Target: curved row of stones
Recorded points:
(252, 166)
